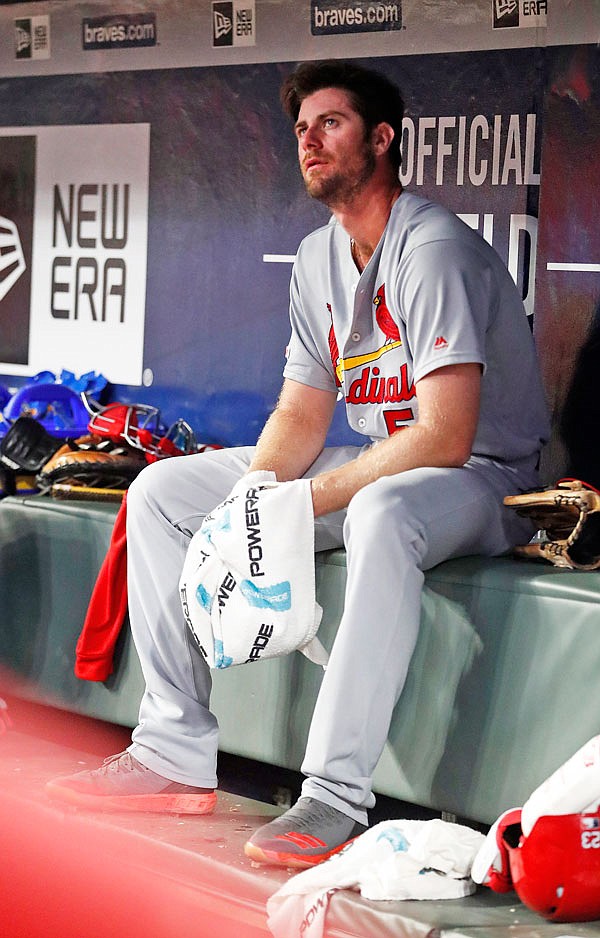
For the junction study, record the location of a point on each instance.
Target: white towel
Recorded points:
(393, 860)
(248, 583)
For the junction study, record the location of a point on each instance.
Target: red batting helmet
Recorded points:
(556, 869)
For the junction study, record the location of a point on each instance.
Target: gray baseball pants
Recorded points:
(393, 530)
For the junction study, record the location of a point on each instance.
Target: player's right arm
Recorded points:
(294, 435)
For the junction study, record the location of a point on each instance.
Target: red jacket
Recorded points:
(107, 608)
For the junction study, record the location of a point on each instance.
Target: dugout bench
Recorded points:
(502, 689)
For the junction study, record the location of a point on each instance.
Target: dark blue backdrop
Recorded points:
(225, 189)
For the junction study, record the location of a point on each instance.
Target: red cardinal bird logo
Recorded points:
(384, 318)
(334, 350)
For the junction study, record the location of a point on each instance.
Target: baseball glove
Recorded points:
(24, 449)
(92, 462)
(568, 522)
(27, 446)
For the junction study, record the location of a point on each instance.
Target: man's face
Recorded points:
(336, 158)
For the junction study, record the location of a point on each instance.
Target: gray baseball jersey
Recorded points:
(434, 293)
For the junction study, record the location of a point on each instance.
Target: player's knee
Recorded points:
(377, 510)
(146, 488)
(369, 509)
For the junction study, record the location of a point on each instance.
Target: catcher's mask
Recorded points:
(140, 426)
(556, 869)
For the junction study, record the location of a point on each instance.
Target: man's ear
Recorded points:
(381, 137)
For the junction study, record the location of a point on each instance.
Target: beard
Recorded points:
(341, 187)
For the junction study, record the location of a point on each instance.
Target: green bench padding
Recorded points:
(503, 686)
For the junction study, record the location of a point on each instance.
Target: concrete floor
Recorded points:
(68, 873)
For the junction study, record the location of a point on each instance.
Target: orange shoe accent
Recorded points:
(291, 860)
(160, 803)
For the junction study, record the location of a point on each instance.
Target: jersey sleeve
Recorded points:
(445, 291)
(307, 353)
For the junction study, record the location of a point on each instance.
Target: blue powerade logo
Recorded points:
(277, 597)
(330, 17)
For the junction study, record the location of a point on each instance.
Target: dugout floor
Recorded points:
(68, 873)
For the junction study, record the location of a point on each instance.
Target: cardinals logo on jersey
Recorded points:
(334, 351)
(376, 375)
(384, 317)
(387, 325)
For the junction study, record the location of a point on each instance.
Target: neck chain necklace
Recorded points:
(360, 261)
(357, 256)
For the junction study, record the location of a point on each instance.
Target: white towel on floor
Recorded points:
(393, 860)
(248, 583)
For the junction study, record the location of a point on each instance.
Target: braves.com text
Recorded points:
(339, 16)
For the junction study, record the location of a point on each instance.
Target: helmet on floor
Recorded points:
(555, 870)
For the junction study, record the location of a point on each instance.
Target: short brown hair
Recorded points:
(374, 97)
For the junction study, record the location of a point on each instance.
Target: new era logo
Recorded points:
(506, 7)
(506, 13)
(18, 167)
(233, 23)
(12, 261)
(222, 24)
(32, 37)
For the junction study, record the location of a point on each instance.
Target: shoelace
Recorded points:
(315, 812)
(124, 760)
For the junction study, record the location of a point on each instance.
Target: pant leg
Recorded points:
(396, 528)
(177, 735)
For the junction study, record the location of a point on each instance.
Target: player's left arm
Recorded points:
(448, 401)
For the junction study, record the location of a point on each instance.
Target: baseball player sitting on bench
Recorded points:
(407, 313)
